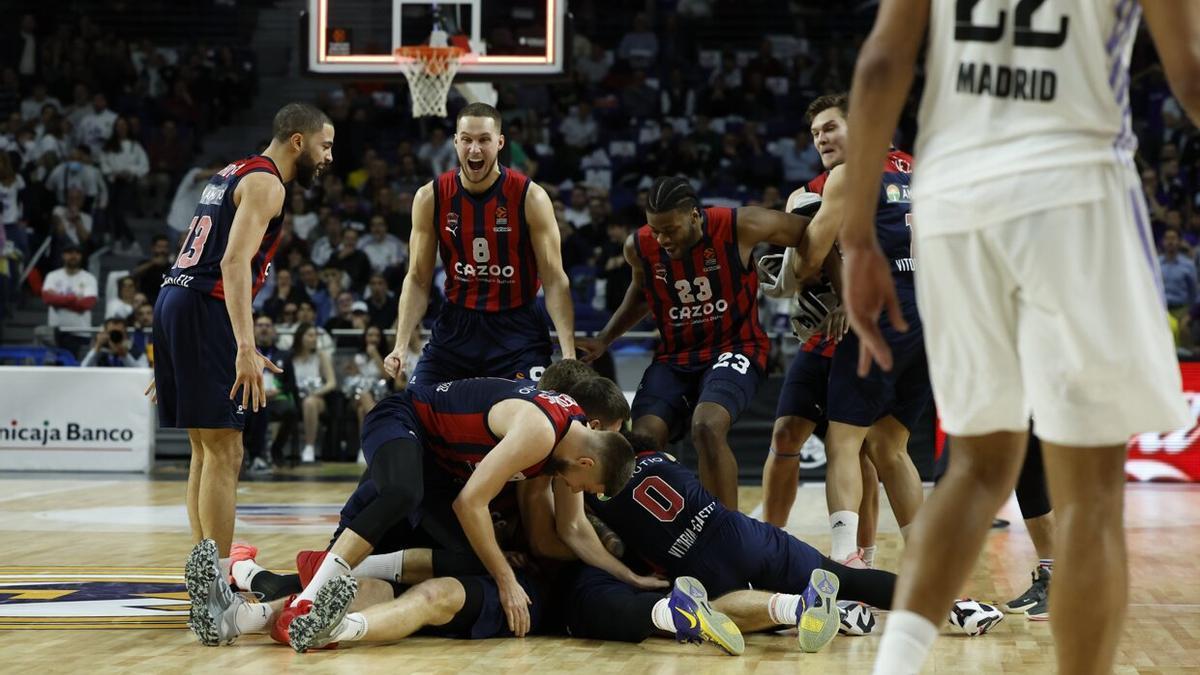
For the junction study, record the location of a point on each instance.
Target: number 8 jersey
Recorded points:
(706, 303)
(485, 243)
(198, 265)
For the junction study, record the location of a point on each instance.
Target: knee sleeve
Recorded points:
(397, 473)
(1032, 495)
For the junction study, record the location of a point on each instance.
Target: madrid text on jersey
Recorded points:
(1019, 84)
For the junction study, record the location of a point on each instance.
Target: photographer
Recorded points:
(110, 348)
(282, 397)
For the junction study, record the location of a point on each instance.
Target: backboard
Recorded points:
(506, 38)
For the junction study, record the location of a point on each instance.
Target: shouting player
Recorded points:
(207, 371)
(498, 239)
(692, 271)
(1033, 102)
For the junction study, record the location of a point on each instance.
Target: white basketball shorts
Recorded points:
(1056, 313)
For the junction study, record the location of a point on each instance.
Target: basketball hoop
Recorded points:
(429, 71)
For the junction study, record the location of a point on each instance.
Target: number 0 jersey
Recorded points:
(485, 243)
(706, 303)
(1026, 86)
(198, 266)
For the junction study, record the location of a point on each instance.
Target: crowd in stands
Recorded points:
(105, 126)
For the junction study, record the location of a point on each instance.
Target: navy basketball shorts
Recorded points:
(195, 354)
(805, 387)
(742, 552)
(513, 344)
(902, 393)
(602, 607)
(491, 621)
(672, 392)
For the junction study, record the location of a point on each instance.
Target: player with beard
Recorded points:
(206, 368)
(498, 239)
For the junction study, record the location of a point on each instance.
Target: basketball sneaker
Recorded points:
(307, 564)
(819, 619)
(237, 553)
(1040, 611)
(856, 618)
(855, 561)
(696, 620)
(214, 605)
(973, 617)
(1036, 593)
(314, 628)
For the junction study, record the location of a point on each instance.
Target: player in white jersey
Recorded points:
(1037, 284)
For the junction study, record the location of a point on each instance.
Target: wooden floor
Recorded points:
(90, 581)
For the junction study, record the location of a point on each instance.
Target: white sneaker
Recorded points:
(308, 455)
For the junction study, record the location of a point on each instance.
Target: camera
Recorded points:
(116, 336)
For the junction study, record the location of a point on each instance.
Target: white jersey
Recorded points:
(1022, 86)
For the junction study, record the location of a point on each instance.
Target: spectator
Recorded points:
(764, 62)
(594, 67)
(281, 394)
(70, 293)
(800, 159)
(81, 105)
(10, 93)
(313, 370)
(124, 164)
(364, 384)
(579, 130)
(24, 51)
(79, 173)
(290, 248)
(358, 177)
(383, 250)
(12, 209)
(324, 248)
(639, 99)
(613, 268)
(518, 153)
(1179, 283)
(410, 178)
(399, 215)
(639, 47)
(110, 347)
(438, 152)
(707, 143)
(142, 331)
(122, 305)
(187, 195)
(150, 272)
(381, 303)
(285, 328)
(53, 144)
(94, 128)
(576, 251)
(351, 260)
(304, 219)
(577, 214)
(678, 99)
(305, 313)
(284, 292)
(719, 102)
(314, 288)
(31, 107)
(343, 319)
(168, 155)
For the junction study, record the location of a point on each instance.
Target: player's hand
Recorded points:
(867, 291)
(649, 583)
(393, 363)
(589, 349)
(151, 392)
(835, 324)
(249, 378)
(516, 606)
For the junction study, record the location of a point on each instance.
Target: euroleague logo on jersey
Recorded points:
(502, 219)
(710, 260)
(452, 224)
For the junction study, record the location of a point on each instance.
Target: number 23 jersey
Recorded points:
(706, 303)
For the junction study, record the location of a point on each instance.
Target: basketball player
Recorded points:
(1032, 102)
(498, 239)
(207, 371)
(692, 270)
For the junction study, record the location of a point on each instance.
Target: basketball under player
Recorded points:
(499, 242)
(692, 271)
(1031, 103)
(207, 371)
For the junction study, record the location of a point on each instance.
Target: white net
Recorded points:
(429, 71)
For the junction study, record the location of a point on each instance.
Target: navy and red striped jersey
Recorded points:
(198, 266)
(453, 418)
(662, 513)
(893, 218)
(705, 304)
(484, 240)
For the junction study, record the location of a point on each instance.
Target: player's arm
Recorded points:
(823, 230)
(526, 438)
(632, 310)
(536, 504)
(1175, 27)
(414, 296)
(576, 531)
(882, 78)
(259, 198)
(756, 224)
(547, 250)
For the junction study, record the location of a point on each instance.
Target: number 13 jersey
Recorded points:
(1031, 85)
(706, 303)
(485, 243)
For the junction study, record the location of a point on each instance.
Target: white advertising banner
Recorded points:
(75, 419)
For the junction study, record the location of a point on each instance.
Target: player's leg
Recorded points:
(868, 510)
(217, 495)
(718, 466)
(1091, 595)
(887, 446)
(434, 602)
(311, 410)
(1034, 500)
(660, 403)
(195, 471)
(781, 471)
(843, 485)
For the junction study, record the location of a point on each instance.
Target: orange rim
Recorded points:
(434, 58)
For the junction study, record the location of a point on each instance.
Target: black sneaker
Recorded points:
(1037, 593)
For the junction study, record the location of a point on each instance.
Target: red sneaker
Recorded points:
(279, 630)
(307, 564)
